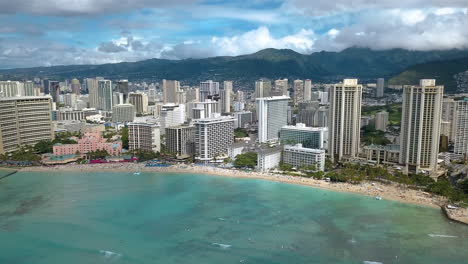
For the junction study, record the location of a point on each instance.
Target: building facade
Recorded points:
(180, 140)
(123, 113)
(309, 137)
(272, 116)
(297, 156)
(140, 101)
(420, 126)
(344, 119)
(24, 121)
(143, 136)
(381, 121)
(90, 142)
(461, 130)
(213, 136)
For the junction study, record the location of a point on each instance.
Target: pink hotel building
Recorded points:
(91, 141)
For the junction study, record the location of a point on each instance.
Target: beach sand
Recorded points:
(374, 189)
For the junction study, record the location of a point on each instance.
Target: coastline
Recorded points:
(391, 192)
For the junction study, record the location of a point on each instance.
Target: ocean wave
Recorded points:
(371, 262)
(110, 255)
(438, 235)
(223, 246)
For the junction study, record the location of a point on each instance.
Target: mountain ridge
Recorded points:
(270, 63)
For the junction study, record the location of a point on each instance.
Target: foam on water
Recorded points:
(110, 255)
(438, 235)
(371, 262)
(223, 246)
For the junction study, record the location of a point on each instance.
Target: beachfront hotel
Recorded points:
(91, 141)
(143, 136)
(345, 119)
(24, 121)
(420, 126)
(213, 136)
(461, 129)
(180, 140)
(272, 116)
(309, 137)
(297, 156)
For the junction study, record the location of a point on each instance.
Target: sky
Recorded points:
(64, 32)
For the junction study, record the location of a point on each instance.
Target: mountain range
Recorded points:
(323, 66)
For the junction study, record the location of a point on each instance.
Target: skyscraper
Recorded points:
(140, 101)
(262, 88)
(420, 126)
(123, 113)
(307, 90)
(24, 121)
(105, 95)
(180, 140)
(28, 88)
(171, 115)
(92, 86)
(54, 88)
(10, 88)
(272, 116)
(226, 97)
(461, 129)
(281, 86)
(122, 87)
(345, 119)
(213, 136)
(75, 86)
(209, 90)
(381, 121)
(380, 87)
(143, 136)
(298, 91)
(170, 91)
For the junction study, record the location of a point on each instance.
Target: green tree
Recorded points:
(240, 133)
(246, 160)
(124, 132)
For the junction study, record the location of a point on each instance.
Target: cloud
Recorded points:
(327, 7)
(83, 7)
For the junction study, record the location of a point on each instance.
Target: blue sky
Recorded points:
(62, 32)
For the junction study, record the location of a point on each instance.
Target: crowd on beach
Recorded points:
(373, 189)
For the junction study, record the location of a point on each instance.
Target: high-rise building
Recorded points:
(420, 126)
(268, 158)
(92, 86)
(28, 88)
(345, 119)
(192, 94)
(180, 140)
(209, 90)
(24, 121)
(281, 86)
(171, 115)
(105, 95)
(298, 91)
(70, 100)
(170, 91)
(309, 137)
(213, 136)
(272, 116)
(122, 87)
(381, 121)
(75, 86)
(54, 90)
(461, 129)
(242, 119)
(226, 97)
(379, 92)
(449, 114)
(307, 90)
(10, 88)
(298, 156)
(262, 88)
(123, 113)
(140, 101)
(205, 109)
(143, 136)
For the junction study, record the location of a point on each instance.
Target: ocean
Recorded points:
(84, 217)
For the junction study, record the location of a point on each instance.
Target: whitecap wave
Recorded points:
(223, 246)
(439, 235)
(110, 255)
(371, 262)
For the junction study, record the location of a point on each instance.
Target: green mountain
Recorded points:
(443, 71)
(269, 63)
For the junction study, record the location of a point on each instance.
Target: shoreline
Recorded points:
(391, 192)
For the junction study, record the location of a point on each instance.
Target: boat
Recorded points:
(378, 198)
(136, 173)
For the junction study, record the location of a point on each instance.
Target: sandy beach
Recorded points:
(373, 189)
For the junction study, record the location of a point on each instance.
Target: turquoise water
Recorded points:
(180, 218)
